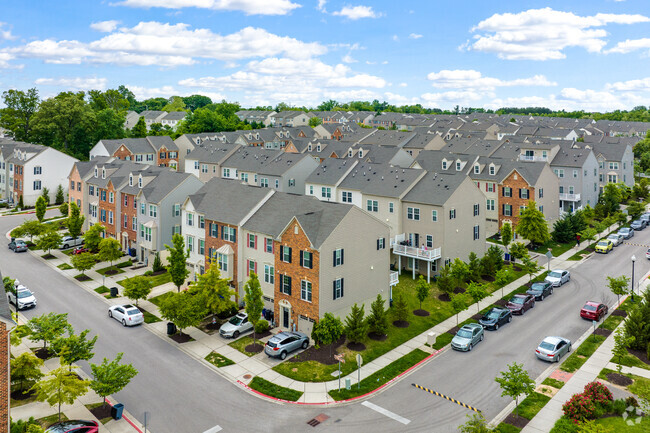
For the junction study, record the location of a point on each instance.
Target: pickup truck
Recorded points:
(69, 241)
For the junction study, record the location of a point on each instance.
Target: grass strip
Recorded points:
(241, 343)
(102, 289)
(580, 356)
(532, 404)
(549, 381)
(64, 266)
(218, 360)
(273, 390)
(442, 340)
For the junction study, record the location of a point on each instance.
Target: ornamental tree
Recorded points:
(532, 225)
(137, 288)
(60, 387)
(111, 377)
(48, 327)
(378, 318)
(356, 327)
(514, 382)
(328, 330)
(177, 261)
(253, 300)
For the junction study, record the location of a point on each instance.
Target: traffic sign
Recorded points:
(549, 255)
(340, 358)
(359, 360)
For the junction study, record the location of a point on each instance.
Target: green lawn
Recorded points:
(155, 280)
(640, 387)
(93, 406)
(125, 264)
(218, 359)
(380, 377)
(618, 424)
(64, 266)
(630, 360)
(273, 390)
(532, 404)
(553, 382)
(557, 249)
(580, 356)
(156, 299)
(149, 317)
(507, 428)
(102, 289)
(442, 340)
(611, 322)
(241, 343)
(114, 268)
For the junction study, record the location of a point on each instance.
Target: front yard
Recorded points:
(155, 280)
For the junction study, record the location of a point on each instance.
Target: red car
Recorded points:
(518, 304)
(594, 311)
(74, 426)
(79, 250)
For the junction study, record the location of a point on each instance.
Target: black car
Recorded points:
(540, 290)
(495, 318)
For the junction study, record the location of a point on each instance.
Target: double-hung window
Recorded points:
(326, 192)
(452, 214)
(338, 257)
(305, 290)
(476, 209)
(153, 210)
(507, 191)
(306, 259)
(201, 222)
(190, 219)
(338, 288)
(413, 213)
(434, 215)
(269, 274)
(268, 245)
(476, 232)
(372, 205)
(347, 197)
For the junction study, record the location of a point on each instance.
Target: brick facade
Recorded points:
(123, 153)
(163, 162)
(108, 207)
(212, 243)
(75, 196)
(4, 376)
(295, 238)
(518, 185)
(130, 210)
(19, 182)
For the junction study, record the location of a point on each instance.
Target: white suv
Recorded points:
(21, 297)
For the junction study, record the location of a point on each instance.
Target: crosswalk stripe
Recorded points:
(386, 412)
(214, 429)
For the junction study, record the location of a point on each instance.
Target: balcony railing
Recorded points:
(394, 278)
(532, 158)
(569, 197)
(429, 254)
(397, 239)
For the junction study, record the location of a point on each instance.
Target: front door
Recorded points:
(285, 317)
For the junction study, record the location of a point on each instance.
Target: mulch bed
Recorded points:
(322, 354)
(458, 290)
(477, 316)
(642, 355)
(619, 312)
(357, 347)
(444, 297)
(421, 313)
(263, 334)
(602, 331)
(48, 256)
(516, 268)
(401, 324)
(453, 330)
(111, 272)
(377, 337)
(516, 420)
(43, 353)
(254, 348)
(101, 412)
(501, 302)
(181, 338)
(82, 278)
(159, 272)
(619, 379)
(18, 394)
(488, 278)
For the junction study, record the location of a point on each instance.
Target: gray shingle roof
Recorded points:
(381, 179)
(330, 171)
(164, 183)
(162, 140)
(435, 188)
(134, 145)
(570, 157)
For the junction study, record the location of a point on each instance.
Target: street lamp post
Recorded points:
(633, 260)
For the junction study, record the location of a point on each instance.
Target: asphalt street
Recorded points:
(182, 395)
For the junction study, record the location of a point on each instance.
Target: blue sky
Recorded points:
(592, 55)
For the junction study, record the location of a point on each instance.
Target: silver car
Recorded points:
(236, 326)
(626, 232)
(467, 337)
(552, 348)
(281, 344)
(128, 314)
(18, 246)
(616, 238)
(557, 277)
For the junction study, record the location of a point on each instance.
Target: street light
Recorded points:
(633, 260)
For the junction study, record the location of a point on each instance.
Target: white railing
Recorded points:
(569, 197)
(532, 158)
(397, 239)
(394, 278)
(429, 254)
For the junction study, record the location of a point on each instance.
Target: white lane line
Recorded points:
(386, 412)
(214, 429)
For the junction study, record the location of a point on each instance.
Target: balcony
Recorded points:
(397, 239)
(531, 158)
(569, 197)
(394, 278)
(429, 254)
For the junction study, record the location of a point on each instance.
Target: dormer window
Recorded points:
(258, 136)
(103, 173)
(360, 153)
(477, 169)
(140, 181)
(318, 148)
(350, 153)
(492, 169)
(96, 172)
(309, 147)
(130, 180)
(444, 164)
(458, 165)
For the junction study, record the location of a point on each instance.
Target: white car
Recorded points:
(22, 297)
(127, 314)
(647, 254)
(553, 348)
(557, 277)
(236, 326)
(616, 238)
(69, 242)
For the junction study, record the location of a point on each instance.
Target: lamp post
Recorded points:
(633, 260)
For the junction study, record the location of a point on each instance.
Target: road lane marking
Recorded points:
(214, 429)
(386, 412)
(445, 397)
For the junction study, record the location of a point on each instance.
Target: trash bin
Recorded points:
(116, 411)
(347, 383)
(114, 291)
(171, 328)
(506, 257)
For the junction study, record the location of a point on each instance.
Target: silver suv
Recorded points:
(281, 344)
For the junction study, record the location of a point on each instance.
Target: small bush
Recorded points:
(598, 393)
(631, 401)
(564, 425)
(619, 406)
(228, 313)
(157, 263)
(579, 408)
(148, 273)
(261, 326)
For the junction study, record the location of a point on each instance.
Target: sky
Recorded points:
(580, 54)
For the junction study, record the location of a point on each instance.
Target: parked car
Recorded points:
(18, 246)
(236, 326)
(594, 311)
(540, 290)
(557, 277)
(74, 426)
(79, 250)
(519, 304)
(127, 314)
(467, 337)
(647, 254)
(626, 232)
(645, 217)
(604, 246)
(283, 343)
(69, 241)
(495, 318)
(616, 238)
(552, 348)
(638, 225)
(21, 297)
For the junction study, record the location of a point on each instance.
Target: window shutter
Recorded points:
(281, 252)
(384, 239)
(342, 251)
(289, 286)
(334, 258)
(255, 241)
(503, 209)
(341, 287)
(272, 247)
(301, 258)
(334, 290)
(378, 240)
(519, 192)
(235, 233)
(486, 186)
(290, 254)
(255, 267)
(503, 191)
(311, 261)
(248, 268)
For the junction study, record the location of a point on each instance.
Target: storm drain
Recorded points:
(317, 420)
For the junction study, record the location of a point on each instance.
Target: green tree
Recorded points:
(506, 234)
(29, 426)
(253, 301)
(109, 125)
(356, 326)
(46, 195)
(41, 207)
(459, 271)
(93, 236)
(496, 257)
(328, 330)
(109, 250)
(514, 382)
(176, 103)
(611, 198)
(177, 258)
(618, 285)
(75, 221)
(196, 101)
(83, 262)
(445, 281)
(183, 309)
(635, 209)
(474, 267)
(74, 347)
(532, 225)
(519, 250)
(137, 288)
(622, 342)
(139, 130)
(400, 307)
(61, 386)
(531, 267)
(64, 208)
(214, 290)
(20, 108)
(315, 121)
(47, 327)
(157, 263)
(562, 230)
(476, 423)
(458, 304)
(111, 377)
(422, 289)
(503, 277)
(9, 284)
(48, 240)
(477, 292)
(378, 319)
(25, 370)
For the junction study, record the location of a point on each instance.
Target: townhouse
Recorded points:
(290, 118)
(577, 173)
(171, 119)
(152, 150)
(257, 116)
(206, 159)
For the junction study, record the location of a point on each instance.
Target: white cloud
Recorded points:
(543, 34)
(630, 45)
(154, 43)
(640, 85)
(74, 83)
(5, 34)
(348, 59)
(403, 84)
(249, 7)
(321, 5)
(415, 36)
(469, 78)
(141, 92)
(395, 38)
(5, 58)
(105, 26)
(357, 12)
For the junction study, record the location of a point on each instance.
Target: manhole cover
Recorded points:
(247, 376)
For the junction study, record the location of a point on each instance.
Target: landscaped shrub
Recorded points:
(261, 326)
(579, 408)
(619, 406)
(157, 263)
(228, 313)
(598, 393)
(148, 273)
(631, 401)
(564, 425)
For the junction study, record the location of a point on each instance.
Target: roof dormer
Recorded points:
(96, 172)
(444, 164)
(492, 169)
(103, 173)
(477, 168)
(130, 179)
(360, 153)
(139, 181)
